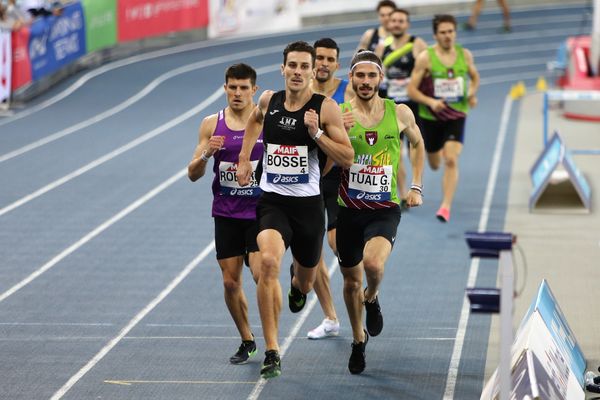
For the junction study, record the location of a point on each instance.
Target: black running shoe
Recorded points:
(271, 367)
(246, 350)
(296, 299)
(374, 317)
(357, 362)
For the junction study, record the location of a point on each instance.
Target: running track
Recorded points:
(109, 286)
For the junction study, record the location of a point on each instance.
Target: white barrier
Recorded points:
(573, 98)
(313, 8)
(235, 18)
(5, 67)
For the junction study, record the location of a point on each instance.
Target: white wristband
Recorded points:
(203, 156)
(318, 135)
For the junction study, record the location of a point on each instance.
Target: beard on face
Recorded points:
(356, 89)
(324, 76)
(397, 34)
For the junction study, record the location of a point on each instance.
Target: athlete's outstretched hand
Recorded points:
(348, 119)
(311, 120)
(414, 198)
(244, 173)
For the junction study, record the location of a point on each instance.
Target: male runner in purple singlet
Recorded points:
(233, 207)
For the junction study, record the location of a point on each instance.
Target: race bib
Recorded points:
(229, 182)
(397, 89)
(370, 183)
(286, 164)
(451, 90)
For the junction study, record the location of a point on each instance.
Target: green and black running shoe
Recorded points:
(246, 350)
(271, 367)
(296, 299)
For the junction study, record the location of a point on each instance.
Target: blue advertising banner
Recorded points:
(547, 306)
(56, 41)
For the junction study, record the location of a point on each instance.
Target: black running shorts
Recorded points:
(356, 227)
(299, 220)
(235, 237)
(437, 133)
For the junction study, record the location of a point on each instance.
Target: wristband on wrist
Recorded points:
(203, 156)
(318, 135)
(417, 188)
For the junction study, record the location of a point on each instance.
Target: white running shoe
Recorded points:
(327, 328)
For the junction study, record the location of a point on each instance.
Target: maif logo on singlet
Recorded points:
(371, 137)
(370, 183)
(229, 183)
(286, 164)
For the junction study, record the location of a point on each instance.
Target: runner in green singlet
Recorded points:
(369, 204)
(444, 82)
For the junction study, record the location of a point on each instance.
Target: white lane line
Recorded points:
(112, 66)
(134, 321)
(527, 49)
(512, 77)
(135, 98)
(95, 232)
(53, 339)
(389, 339)
(204, 44)
(474, 267)
(317, 28)
(202, 64)
(109, 156)
(55, 324)
(134, 143)
(260, 385)
(526, 62)
(220, 326)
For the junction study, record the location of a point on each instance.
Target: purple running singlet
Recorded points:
(229, 199)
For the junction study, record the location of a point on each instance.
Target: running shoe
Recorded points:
(374, 317)
(357, 362)
(271, 367)
(443, 214)
(296, 299)
(327, 328)
(246, 350)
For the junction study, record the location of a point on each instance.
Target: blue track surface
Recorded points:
(92, 231)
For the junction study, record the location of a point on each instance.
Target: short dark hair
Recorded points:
(241, 71)
(327, 43)
(403, 11)
(386, 3)
(440, 18)
(365, 55)
(300, 46)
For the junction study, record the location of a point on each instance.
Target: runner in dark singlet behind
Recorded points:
(398, 55)
(374, 36)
